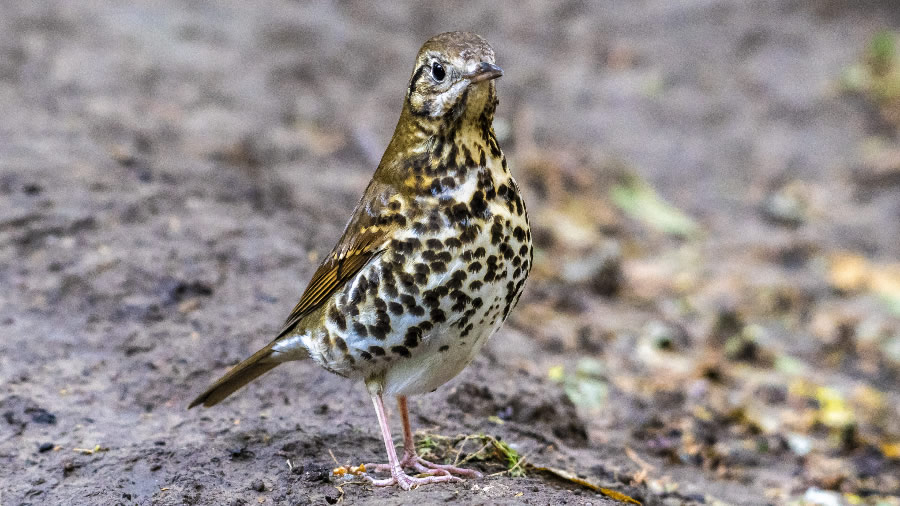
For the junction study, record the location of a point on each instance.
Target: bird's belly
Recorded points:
(425, 372)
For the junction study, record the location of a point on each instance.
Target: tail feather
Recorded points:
(258, 364)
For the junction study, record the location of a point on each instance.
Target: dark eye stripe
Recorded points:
(415, 77)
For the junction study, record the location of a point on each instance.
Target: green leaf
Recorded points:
(640, 201)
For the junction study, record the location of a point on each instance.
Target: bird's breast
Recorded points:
(419, 312)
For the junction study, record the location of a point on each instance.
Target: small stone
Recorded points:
(45, 447)
(69, 467)
(258, 485)
(41, 415)
(788, 206)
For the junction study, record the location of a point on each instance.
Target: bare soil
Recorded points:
(171, 172)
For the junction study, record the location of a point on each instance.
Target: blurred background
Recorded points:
(714, 186)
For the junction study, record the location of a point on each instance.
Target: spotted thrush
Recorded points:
(431, 262)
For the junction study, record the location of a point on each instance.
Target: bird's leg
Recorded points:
(411, 459)
(398, 477)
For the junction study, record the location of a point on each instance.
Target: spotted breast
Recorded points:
(416, 315)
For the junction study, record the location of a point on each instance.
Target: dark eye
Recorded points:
(437, 70)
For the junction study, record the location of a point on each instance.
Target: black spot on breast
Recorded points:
(359, 291)
(480, 252)
(365, 355)
(379, 304)
(406, 279)
(458, 213)
(421, 268)
(496, 233)
(360, 329)
(470, 233)
(408, 300)
(451, 155)
(395, 308)
(519, 233)
(394, 205)
(510, 291)
(413, 336)
(436, 187)
(478, 206)
(453, 242)
(374, 281)
(461, 301)
(434, 244)
(341, 344)
(430, 298)
(337, 318)
(426, 326)
(438, 316)
(439, 267)
(475, 285)
(401, 350)
(474, 267)
(377, 332)
(376, 350)
(456, 280)
(470, 162)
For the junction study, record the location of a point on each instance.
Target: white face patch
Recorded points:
(444, 101)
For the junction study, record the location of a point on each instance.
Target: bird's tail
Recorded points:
(258, 364)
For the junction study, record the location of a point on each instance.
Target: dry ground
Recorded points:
(170, 172)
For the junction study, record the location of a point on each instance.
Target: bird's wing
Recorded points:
(367, 233)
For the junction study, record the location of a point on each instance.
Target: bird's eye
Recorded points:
(437, 70)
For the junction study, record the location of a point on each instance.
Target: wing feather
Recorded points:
(364, 238)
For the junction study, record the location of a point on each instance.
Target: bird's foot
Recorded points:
(407, 482)
(432, 473)
(425, 466)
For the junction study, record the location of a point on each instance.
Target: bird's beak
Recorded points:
(483, 72)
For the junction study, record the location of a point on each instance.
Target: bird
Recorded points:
(430, 264)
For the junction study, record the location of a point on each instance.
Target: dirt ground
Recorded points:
(714, 314)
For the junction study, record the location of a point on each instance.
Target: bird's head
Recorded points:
(454, 74)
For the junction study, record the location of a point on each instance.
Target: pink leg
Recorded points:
(398, 477)
(410, 459)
